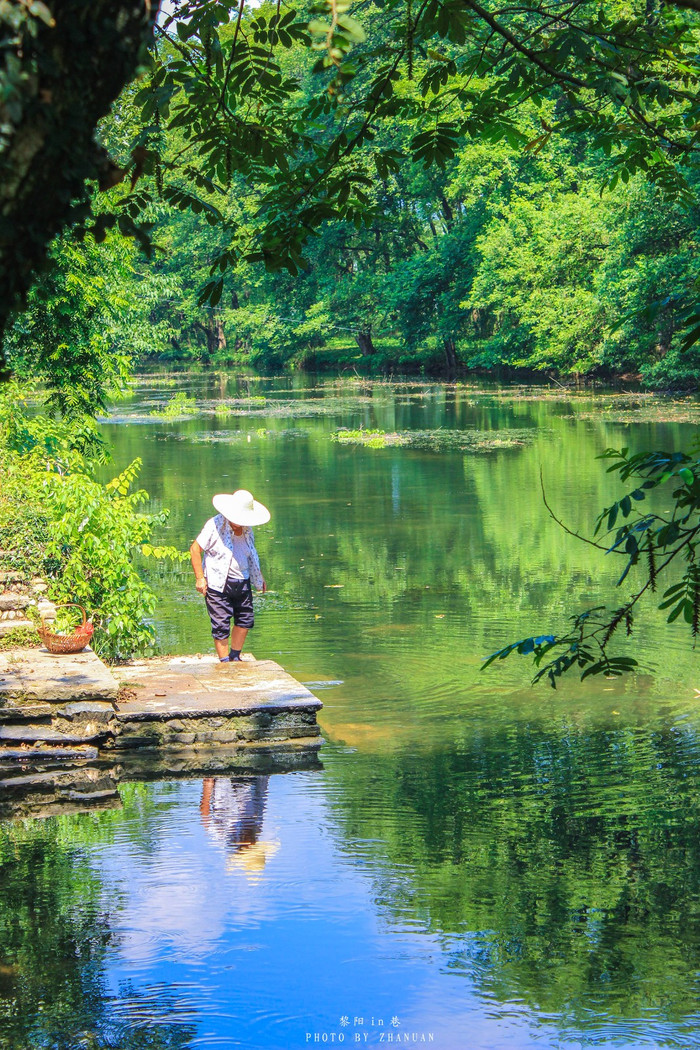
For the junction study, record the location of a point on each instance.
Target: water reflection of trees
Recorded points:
(55, 934)
(473, 528)
(562, 869)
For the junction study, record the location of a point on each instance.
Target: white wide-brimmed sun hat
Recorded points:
(240, 508)
(253, 858)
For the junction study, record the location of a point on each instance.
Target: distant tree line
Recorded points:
(430, 188)
(505, 258)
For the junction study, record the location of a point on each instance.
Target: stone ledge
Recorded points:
(95, 710)
(37, 674)
(12, 575)
(76, 777)
(133, 712)
(29, 734)
(16, 711)
(12, 600)
(170, 703)
(85, 786)
(8, 626)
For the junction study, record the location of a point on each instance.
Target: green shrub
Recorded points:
(57, 520)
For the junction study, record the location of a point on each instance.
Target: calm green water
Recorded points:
(478, 861)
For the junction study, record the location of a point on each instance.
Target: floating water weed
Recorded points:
(437, 440)
(233, 437)
(659, 410)
(157, 380)
(179, 405)
(370, 438)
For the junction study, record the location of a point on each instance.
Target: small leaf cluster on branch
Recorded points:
(659, 544)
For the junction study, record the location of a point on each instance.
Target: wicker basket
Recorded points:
(67, 643)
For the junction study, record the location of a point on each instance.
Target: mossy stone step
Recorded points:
(29, 733)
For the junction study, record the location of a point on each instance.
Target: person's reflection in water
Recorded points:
(233, 809)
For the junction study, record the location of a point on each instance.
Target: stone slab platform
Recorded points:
(200, 686)
(52, 702)
(38, 675)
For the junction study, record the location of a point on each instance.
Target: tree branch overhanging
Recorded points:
(73, 69)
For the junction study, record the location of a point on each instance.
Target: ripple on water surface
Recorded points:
(523, 887)
(495, 866)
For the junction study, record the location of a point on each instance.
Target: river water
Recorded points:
(479, 863)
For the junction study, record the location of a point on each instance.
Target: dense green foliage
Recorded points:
(58, 521)
(62, 65)
(423, 186)
(85, 324)
(241, 97)
(448, 161)
(502, 260)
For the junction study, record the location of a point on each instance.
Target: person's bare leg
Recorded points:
(205, 803)
(238, 638)
(221, 646)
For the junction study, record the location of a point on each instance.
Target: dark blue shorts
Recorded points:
(235, 601)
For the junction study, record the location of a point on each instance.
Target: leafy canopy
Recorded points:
(291, 100)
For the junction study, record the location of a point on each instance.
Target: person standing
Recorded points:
(225, 564)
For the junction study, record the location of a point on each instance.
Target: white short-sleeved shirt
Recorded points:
(225, 554)
(237, 810)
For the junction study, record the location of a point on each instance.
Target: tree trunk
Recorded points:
(214, 334)
(69, 73)
(216, 337)
(664, 337)
(364, 341)
(447, 211)
(451, 356)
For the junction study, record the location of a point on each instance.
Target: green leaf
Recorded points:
(41, 11)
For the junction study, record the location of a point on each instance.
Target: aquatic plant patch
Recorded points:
(613, 406)
(235, 437)
(181, 404)
(437, 440)
(658, 410)
(293, 407)
(346, 396)
(182, 407)
(138, 381)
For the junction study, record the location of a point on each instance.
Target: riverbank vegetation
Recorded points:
(501, 262)
(84, 538)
